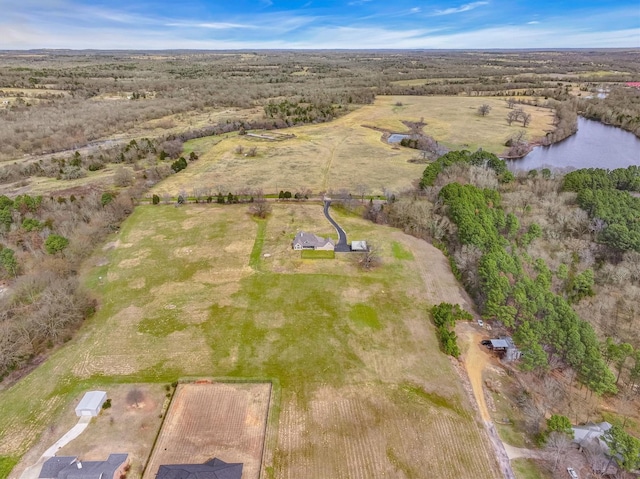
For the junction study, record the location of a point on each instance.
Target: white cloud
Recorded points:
(209, 25)
(19, 37)
(48, 26)
(462, 8)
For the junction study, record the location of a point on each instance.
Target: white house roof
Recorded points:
(359, 245)
(92, 400)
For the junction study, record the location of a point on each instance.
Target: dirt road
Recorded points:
(442, 286)
(475, 360)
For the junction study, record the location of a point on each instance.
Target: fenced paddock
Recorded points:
(206, 420)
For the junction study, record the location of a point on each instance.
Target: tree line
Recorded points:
(604, 195)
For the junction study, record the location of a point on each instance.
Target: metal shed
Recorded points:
(359, 246)
(91, 403)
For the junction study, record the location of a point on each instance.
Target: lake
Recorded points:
(595, 145)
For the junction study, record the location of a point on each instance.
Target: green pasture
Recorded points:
(188, 291)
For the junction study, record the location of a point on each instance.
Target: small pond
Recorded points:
(595, 145)
(397, 138)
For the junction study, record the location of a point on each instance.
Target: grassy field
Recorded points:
(363, 389)
(426, 81)
(344, 153)
(309, 254)
(528, 469)
(229, 419)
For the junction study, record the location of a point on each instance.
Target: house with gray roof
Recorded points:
(590, 432)
(310, 241)
(213, 469)
(69, 467)
(506, 348)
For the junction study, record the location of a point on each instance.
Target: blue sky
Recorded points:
(243, 24)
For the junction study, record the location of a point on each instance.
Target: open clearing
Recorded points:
(344, 153)
(362, 389)
(226, 421)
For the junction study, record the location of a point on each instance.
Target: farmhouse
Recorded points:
(310, 241)
(506, 348)
(213, 469)
(591, 432)
(91, 403)
(69, 467)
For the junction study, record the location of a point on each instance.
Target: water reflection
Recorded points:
(594, 146)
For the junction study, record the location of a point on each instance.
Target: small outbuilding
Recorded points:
(359, 246)
(506, 348)
(91, 403)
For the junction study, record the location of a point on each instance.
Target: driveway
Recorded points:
(341, 246)
(32, 472)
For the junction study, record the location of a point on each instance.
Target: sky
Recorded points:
(314, 24)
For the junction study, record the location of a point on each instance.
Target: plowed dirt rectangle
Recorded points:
(220, 420)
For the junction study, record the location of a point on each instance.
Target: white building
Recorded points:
(91, 403)
(359, 246)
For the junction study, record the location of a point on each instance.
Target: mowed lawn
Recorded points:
(345, 153)
(361, 388)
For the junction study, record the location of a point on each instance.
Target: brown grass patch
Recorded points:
(127, 427)
(344, 153)
(365, 431)
(138, 283)
(226, 421)
(222, 275)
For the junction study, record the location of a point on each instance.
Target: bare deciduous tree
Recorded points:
(558, 444)
(135, 396)
(361, 190)
(123, 177)
(260, 208)
(484, 109)
(369, 259)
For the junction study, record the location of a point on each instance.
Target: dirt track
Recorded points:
(475, 360)
(442, 287)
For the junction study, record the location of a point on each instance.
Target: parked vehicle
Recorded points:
(572, 473)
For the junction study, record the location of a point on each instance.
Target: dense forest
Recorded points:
(543, 260)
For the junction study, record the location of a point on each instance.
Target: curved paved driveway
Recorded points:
(341, 246)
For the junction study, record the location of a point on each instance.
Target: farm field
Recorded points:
(223, 420)
(363, 390)
(345, 153)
